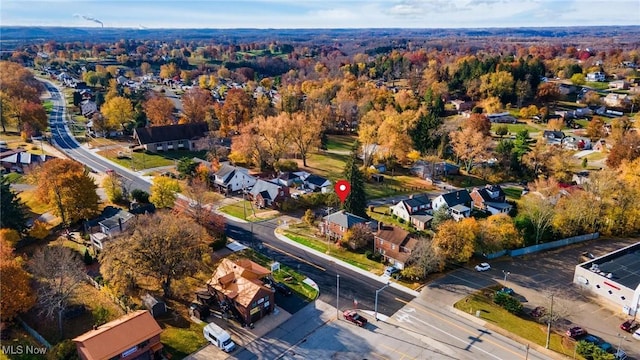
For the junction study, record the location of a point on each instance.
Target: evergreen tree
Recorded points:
(356, 202)
(12, 215)
(424, 134)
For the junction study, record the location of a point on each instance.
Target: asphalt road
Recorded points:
(66, 143)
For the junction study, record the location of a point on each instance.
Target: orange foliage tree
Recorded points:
(159, 110)
(15, 287)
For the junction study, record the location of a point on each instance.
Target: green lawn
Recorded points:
(305, 235)
(516, 128)
(14, 178)
(379, 213)
(512, 192)
(182, 341)
(48, 106)
(327, 165)
(527, 329)
(243, 207)
(340, 142)
(596, 155)
(293, 278)
(597, 85)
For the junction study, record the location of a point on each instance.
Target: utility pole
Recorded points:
(376, 302)
(337, 296)
(549, 323)
(620, 342)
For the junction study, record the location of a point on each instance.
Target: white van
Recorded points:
(218, 337)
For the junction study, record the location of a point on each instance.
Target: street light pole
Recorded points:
(620, 342)
(376, 302)
(505, 276)
(337, 296)
(549, 323)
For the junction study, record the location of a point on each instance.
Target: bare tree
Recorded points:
(59, 271)
(540, 211)
(424, 259)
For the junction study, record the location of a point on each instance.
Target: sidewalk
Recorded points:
(341, 263)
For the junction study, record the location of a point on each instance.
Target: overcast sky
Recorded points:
(319, 13)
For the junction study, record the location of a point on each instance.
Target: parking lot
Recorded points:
(535, 277)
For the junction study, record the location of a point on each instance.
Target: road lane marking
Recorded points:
(429, 312)
(404, 355)
(295, 257)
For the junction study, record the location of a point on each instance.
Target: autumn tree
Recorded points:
(117, 112)
(164, 191)
(469, 146)
(627, 148)
(456, 240)
(275, 137)
(358, 237)
(9, 236)
(236, 110)
(145, 67)
(59, 272)
(12, 214)
(394, 133)
(112, 186)
(248, 148)
(479, 123)
(356, 201)
(498, 232)
(69, 189)
(595, 129)
(368, 130)
(574, 214)
(169, 70)
(196, 105)
(304, 132)
(539, 210)
(15, 287)
(499, 84)
(549, 93)
(159, 110)
(424, 260)
(155, 248)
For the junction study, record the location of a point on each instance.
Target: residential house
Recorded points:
(20, 160)
(394, 244)
(553, 137)
(576, 143)
(88, 108)
(619, 84)
(459, 203)
(380, 168)
(289, 178)
(432, 171)
(110, 227)
(266, 194)
(502, 118)
(581, 178)
(335, 225)
(230, 179)
(240, 285)
(317, 183)
(617, 100)
(491, 199)
(461, 105)
(414, 210)
(601, 146)
(131, 337)
(596, 76)
(170, 137)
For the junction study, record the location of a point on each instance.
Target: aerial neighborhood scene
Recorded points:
(330, 180)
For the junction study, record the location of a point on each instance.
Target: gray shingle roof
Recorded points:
(344, 219)
(155, 134)
(457, 197)
(266, 189)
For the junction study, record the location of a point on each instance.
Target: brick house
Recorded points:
(394, 244)
(335, 225)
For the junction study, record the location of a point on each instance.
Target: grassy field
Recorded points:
(181, 340)
(596, 155)
(379, 213)
(597, 85)
(340, 142)
(512, 192)
(305, 235)
(527, 329)
(516, 128)
(252, 212)
(14, 178)
(34, 204)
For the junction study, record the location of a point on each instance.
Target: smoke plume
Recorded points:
(89, 18)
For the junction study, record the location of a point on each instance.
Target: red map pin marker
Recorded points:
(342, 188)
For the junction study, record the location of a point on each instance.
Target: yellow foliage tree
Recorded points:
(10, 236)
(15, 286)
(163, 192)
(118, 111)
(456, 240)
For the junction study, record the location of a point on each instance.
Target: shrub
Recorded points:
(100, 315)
(65, 350)
(88, 259)
(219, 244)
(508, 302)
(140, 196)
(286, 165)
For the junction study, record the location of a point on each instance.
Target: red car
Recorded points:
(629, 325)
(576, 332)
(354, 317)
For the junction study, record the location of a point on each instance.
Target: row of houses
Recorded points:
(396, 244)
(19, 160)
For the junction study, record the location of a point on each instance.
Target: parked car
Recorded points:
(282, 289)
(620, 355)
(506, 290)
(354, 317)
(483, 267)
(390, 270)
(539, 311)
(629, 326)
(636, 334)
(576, 332)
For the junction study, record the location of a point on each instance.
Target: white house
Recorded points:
(230, 179)
(459, 203)
(596, 76)
(318, 183)
(414, 210)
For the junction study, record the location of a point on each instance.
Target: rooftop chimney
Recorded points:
(380, 224)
